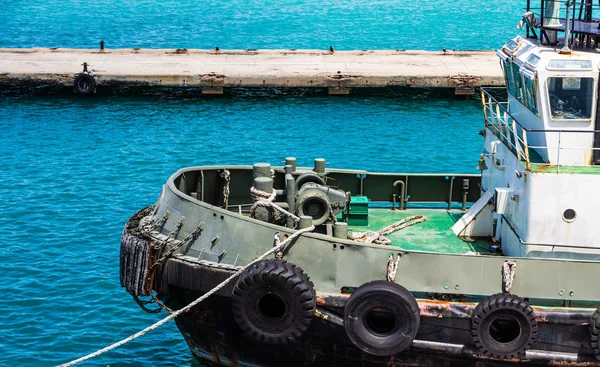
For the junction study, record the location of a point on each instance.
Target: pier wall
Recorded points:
(214, 70)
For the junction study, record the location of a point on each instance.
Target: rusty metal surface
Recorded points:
(464, 310)
(213, 337)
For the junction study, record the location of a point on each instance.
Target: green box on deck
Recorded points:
(358, 213)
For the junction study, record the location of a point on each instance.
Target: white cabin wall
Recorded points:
(530, 205)
(549, 195)
(504, 176)
(575, 148)
(535, 210)
(494, 178)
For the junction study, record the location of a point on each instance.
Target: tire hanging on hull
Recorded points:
(503, 326)
(274, 302)
(595, 333)
(382, 318)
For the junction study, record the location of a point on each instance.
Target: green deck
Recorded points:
(538, 165)
(433, 235)
(574, 170)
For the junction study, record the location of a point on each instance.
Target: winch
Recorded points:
(321, 202)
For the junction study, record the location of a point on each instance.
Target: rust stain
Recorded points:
(333, 301)
(215, 354)
(321, 315)
(464, 80)
(573, 364)
(545, 168)
(212, 75)
(342, 76)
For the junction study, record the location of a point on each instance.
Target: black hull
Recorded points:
(214, 338)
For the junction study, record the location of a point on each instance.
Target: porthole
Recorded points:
(569, 215)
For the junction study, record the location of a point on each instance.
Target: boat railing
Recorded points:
(514, 136)
(504, 126)
(550, 16)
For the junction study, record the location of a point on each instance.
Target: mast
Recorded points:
(566, 49)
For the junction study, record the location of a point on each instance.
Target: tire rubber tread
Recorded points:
(595, 333)
(367, 297)
(503, 301)
(290, 279)
(91, 80)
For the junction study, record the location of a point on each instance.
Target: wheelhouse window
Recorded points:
(571, 98)
(508, 77)
(522, 88)
(516, 77)
(530, 95)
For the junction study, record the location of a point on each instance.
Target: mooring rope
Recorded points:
(264, 199)
(227, 178)
(378, 237)
(194, 303)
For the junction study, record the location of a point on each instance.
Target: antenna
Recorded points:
(566, 49)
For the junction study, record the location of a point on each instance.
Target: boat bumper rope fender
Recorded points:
(273, 302)
(503, 326)
(382, 318)
(84, 83)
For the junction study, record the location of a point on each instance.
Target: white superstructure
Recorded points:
(540, 152)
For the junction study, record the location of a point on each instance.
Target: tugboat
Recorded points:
(384, 269)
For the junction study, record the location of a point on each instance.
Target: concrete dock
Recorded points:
(214, 70)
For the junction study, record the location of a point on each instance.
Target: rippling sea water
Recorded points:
(72, 169)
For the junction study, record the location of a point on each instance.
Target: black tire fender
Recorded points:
(84, 83)
(503, 326)
(382, 318)
(595, 333)
(273, 302)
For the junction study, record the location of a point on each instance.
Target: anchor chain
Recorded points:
(143, 303)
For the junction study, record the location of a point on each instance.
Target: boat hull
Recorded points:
(184, 247)
(214, 338)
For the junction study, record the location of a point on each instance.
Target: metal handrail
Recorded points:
(520, 147)
(538, 10)
(502, 104)
(504, 126)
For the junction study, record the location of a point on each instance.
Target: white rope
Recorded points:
(259, 194)
(392, 268)
(265, 199)
(227, 177)
(509, 268)
(194, 303)
(378, 237)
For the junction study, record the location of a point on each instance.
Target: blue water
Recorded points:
(72, 169)
(271, 24)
